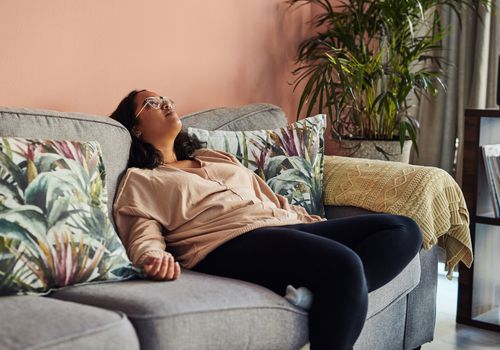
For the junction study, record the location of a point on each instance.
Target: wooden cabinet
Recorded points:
(479, 286)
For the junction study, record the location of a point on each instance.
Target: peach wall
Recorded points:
(85, 55)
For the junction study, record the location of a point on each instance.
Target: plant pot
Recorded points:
(372, 149)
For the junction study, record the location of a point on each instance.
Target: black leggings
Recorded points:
(339, 260)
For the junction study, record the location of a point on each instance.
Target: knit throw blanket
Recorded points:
(428, 195)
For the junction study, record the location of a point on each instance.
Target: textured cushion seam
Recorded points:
(141, 317)
(405, 333)
(67, 118)
(267, 109)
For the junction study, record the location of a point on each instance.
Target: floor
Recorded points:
(450, 335)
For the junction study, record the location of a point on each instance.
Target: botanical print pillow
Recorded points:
(289, 159)
(54, 225)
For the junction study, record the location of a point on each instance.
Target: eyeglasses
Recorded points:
(157, 102)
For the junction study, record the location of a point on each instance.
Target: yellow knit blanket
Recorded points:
(428, 195)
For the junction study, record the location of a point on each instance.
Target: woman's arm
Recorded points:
(140, 235)
(145, 245)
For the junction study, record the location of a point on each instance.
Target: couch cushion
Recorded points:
(45, 124)
(43, 323)
(247, 117)
(188, 312)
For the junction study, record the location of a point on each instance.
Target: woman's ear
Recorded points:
(136, 132)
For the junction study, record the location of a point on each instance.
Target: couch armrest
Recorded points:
(347, 181)
(428, 195)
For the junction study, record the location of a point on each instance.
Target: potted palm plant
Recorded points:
(368, 64)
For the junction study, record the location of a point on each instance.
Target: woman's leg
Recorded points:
(385, 243)
(277, 256)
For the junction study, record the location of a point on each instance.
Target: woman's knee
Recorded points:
(344, 270)
(410, 232)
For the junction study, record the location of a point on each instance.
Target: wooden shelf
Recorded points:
(490, 112)
(478, 301)
(488, 220)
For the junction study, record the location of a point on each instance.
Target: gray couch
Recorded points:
(197, 311)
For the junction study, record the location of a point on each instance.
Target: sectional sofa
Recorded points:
(197, 311)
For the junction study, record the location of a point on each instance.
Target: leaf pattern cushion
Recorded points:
(289, 159)
(54, 224)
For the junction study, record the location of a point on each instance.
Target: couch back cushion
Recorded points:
(248, 117)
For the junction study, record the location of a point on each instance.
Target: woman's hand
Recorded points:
(162, 268)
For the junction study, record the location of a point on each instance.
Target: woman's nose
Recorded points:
(167, 106)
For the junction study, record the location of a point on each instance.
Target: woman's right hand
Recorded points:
(162, 268)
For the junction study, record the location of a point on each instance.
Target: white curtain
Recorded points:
(472, 49)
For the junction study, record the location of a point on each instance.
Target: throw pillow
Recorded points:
(54, 224)
(289, 159)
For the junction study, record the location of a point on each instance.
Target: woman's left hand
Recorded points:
(162, 268)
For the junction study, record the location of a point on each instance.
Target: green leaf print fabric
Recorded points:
(289, 159)
(54, 224)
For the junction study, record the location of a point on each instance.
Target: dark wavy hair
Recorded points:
(143, 154)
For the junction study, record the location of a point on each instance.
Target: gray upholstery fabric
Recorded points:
(36, 123)
(248, 117)
(199, 311)
(421, 319)
(42, 323)
(398, 288)
(385, 331)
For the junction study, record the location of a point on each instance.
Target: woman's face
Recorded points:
(156, 118)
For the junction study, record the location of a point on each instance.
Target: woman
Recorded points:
(203, 208)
